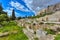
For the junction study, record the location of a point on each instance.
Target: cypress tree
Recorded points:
(13, 15)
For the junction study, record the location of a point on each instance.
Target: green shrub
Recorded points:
(50, 31)
(3, 17)
(4, 23)
(36, 38)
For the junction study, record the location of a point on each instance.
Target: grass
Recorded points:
(57, 37)
(12, 26)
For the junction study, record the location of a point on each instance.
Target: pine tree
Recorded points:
(13, 15)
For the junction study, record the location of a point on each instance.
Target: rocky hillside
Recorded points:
(51, 8)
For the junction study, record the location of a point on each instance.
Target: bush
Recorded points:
(58, 29)
(34, 32)
(36, 38)
(3, 17)
(41, 23)
(4, 23)
(50, 31)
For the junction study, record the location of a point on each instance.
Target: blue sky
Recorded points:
(26, 7)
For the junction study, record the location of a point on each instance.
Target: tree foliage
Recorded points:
(3, 15)
(1, 8)
(13, 15)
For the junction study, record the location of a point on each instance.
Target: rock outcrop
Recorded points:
(51, 8)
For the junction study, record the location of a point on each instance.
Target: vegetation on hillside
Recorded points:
(9, 27)
(50, 31)
(12, 27)
(42, 15)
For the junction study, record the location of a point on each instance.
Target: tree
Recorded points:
(1, 10)
(13, 15)
(48, 10)
(19, 18)
(3, 17)
(48, 7)
(1, 7)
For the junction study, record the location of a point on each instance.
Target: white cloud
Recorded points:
(8, 10)
(18, 6)
(28, 3)
(33, 5)
(36, 5)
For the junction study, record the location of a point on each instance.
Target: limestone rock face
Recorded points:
(51, 8)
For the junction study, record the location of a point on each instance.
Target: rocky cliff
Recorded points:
(51, 8)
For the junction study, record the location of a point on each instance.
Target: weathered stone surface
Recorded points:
(4, 34)
(51, 8)
(7, 33)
